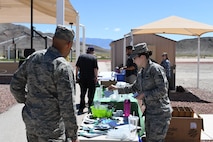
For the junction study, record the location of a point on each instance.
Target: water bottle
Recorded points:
(127, 107)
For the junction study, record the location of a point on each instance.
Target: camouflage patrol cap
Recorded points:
(138, 49)
(64, 33)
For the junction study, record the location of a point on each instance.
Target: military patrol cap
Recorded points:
(64, 33)
(90, 48)
(164, 54)
(138, 49)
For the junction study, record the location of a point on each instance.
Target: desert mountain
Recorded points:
(188, 47)
(21, 36)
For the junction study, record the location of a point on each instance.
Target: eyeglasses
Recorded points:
(135, 57)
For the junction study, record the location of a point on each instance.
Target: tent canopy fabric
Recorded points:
(174, 25)
(44, 11)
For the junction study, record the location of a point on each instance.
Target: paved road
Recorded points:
(12, 128)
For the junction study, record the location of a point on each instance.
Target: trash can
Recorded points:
(120, 77)
(172, 79)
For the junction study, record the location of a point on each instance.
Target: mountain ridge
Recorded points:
(188, 47)
(104, 43)
(9, 32)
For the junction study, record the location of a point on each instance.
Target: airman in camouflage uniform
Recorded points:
(152, 87)
(45, 84)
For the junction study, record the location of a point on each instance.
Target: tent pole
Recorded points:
(31, 24)
(84, 39)
(124, 51)
(60, 4)
(132, 39)
(77, 40)
(198, 62)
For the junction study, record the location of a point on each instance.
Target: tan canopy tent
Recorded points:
(44, 11)
(176, 25)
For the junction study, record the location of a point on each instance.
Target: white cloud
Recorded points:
(117, 29)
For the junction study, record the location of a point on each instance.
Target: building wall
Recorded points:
(157, 44)
(8, 67)
(7, 70)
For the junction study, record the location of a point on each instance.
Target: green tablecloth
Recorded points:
(118, 105)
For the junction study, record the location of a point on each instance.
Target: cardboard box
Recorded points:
(108, 83)
(182, 112)
(185, 129)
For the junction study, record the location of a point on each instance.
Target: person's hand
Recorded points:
(123, 68)
(76, 140)
(112, 87)
(140, 97)
(69, 140)
(96, 80)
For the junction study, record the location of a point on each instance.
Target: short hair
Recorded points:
(129, 47)
(90, 49)
(64, 33)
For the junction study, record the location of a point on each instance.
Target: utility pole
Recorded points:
(14, 44)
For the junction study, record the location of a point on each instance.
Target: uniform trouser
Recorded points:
(86, 85)
(35, 138)
(156, 128)
(130, 79)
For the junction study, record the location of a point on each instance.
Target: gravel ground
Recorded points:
(6, 98)
(200, 100)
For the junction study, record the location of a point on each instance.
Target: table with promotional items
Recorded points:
(117, 102)
(111, 128)
(94, 130)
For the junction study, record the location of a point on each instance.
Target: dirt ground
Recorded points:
(199, 99)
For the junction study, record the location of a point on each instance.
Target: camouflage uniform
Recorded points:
(153, 83)
(45, 84)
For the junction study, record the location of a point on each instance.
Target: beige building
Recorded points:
(157, 44)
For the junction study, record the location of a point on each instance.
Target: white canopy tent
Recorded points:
(44, 12)
(176, 25)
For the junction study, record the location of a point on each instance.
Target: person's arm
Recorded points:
(132, 88)
(65, 84)
(18, 84)
(77, 69)
(96, 74)
(161, 85)
(77, 73)
(95, 70)
(168, 74)
(130, 65)
(128, 68)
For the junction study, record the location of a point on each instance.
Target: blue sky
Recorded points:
(111, 19)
